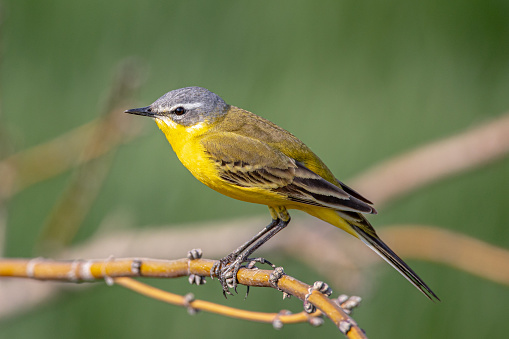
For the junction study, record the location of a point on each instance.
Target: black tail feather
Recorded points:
(377, 245)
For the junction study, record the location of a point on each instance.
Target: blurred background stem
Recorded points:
(68, 214)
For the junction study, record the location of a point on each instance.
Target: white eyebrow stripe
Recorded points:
(187, 106)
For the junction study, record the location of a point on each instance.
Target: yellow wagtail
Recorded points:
(246, 157)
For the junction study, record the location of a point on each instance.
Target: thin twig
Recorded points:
(201, 305)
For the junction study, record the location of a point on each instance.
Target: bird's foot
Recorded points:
(227, 268)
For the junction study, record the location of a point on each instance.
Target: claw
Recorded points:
(275, 276)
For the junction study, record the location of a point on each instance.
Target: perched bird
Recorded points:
(246, 157)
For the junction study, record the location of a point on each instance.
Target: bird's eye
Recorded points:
(179, 110)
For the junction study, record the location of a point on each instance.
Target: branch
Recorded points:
(89, 270)
(311, 241)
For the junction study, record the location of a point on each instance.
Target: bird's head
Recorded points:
(184, 107)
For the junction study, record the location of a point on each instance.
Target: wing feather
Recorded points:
(308, 187)
(247, 162)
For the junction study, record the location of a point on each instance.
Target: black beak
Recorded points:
(145, 111)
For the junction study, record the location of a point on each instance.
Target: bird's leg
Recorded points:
(227, 268)
(230, 272)
(248, 243)
(221, 265)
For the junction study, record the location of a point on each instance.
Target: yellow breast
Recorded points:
(185, 142)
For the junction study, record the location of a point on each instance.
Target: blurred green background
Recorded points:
(357, 81)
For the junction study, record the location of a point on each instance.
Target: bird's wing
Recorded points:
(247, 162)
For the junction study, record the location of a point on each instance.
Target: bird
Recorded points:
(246, 157)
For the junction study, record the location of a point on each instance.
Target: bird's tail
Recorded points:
(369, 237)
(358, 226)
